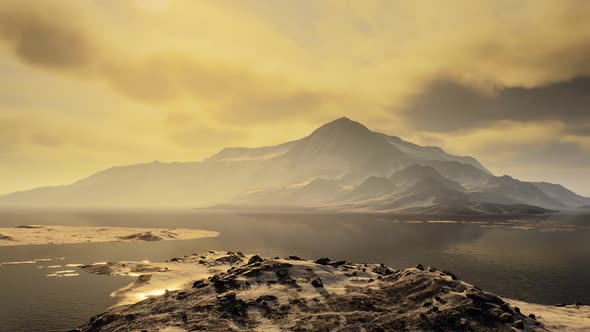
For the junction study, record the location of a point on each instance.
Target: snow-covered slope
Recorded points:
(430, 153)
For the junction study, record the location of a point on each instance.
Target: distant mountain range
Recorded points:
(342, 166)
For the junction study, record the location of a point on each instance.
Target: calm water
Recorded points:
(538, 265)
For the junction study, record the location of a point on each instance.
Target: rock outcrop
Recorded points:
(244, 292)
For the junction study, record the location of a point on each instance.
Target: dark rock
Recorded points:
(473, 311)
(560, 305)
(229, 259)
(484, 298)
(95, 317)
(427, 304)
(5, 237)
(233, 306)
(255, 259)
(451, 320)
(294, 258)
(224, 285)
(450, 274)
(506, 317)
(440, 300)
(323, 261)
(517, 310)
(420, 267)
(532, 316)
(505, 307)
(317, 282)
(282, 273)
(199, 284)
(518, 324)
(181, 295)
(266, 298)
(337, 263)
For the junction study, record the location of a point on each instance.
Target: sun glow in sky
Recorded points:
(85, 85)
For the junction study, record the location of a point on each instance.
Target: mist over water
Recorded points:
(545, 264)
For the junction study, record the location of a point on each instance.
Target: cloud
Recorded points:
(47, 140)
(447, 106)
(56, 40)
(45, 37)
(11, 135)
(259, 68)
(187, 131)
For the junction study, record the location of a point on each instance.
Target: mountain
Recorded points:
(431, 153)
(562, 194)
(421, 189)
(467, 175)
(340, 166)
(371, 187)
(315, 192)
(507, 190)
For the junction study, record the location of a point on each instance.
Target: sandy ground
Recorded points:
(50, 234)
(574, 318)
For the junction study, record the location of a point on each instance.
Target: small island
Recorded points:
(53, 234)
(227, 291)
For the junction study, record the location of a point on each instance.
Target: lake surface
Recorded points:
(542, 261)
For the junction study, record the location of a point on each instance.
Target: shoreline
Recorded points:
(55, 234)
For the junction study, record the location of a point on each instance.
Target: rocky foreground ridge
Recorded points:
(226, 291)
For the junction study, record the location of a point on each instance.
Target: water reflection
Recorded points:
(539, 260)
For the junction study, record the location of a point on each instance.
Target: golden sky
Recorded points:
(85, 85)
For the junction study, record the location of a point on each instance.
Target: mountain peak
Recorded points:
(345, 123)
(346, 139)
(342, 119)
(342, 128)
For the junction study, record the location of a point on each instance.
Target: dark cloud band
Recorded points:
(446, 106)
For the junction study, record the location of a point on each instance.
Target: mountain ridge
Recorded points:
(336, 159)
